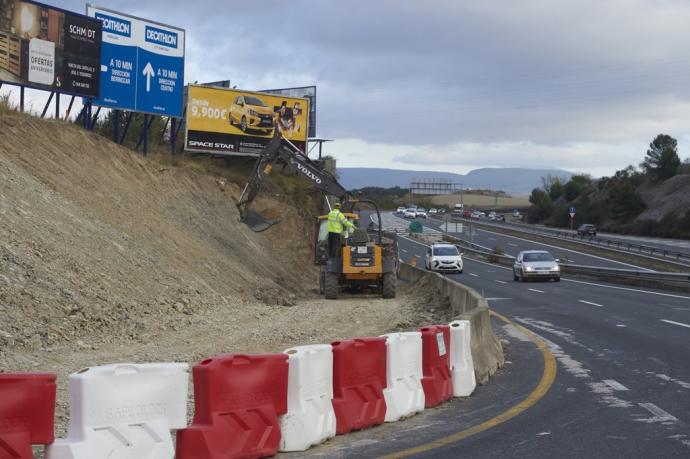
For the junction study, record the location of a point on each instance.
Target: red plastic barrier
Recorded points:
(437, 381)
(359, 377)
(27, 411)
(237, 399)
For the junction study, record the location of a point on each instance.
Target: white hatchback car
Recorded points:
(401, 210)
(410, 213)
(443, 257)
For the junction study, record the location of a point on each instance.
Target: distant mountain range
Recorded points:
(511, 180)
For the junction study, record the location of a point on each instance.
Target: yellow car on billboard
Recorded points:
(250, 112)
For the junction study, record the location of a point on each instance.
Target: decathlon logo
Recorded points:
(308, 173)
(115, 25)
(161, 37)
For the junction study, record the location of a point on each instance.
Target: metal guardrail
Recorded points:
(654, 252)
(568, 268)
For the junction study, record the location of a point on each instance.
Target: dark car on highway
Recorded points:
(587, 230)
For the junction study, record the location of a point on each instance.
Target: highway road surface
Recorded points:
(622, 386)
(511, 245)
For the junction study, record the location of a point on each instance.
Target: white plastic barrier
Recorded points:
(124, 411)
(310, 418)
(461, 364)
(404, 395)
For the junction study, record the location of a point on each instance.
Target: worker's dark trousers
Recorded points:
(333, 244)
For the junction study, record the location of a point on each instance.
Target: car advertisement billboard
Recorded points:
(49, 48)
(235, 122)
(304, 92)
(142, 64)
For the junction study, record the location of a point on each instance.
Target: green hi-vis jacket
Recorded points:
(336, 220)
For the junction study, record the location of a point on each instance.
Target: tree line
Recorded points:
(614, 203)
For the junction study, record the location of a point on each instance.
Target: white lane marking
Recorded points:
(473, 274)
(568, 250)
(500, 281)
(535, 290)
(613, 384)
(492, 238)
(404, 250)
(658, 415)
(621, 325)
(416, 242)
(675, 323)
(682, 384)
(593, 304)
(515, 333)
(512, 245)
(497, 299)
(670, 295)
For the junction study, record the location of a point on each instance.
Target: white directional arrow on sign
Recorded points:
(148, 73)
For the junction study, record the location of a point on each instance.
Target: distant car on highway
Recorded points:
(443, 257)
(536, 264)
(500, 218)
(433, 210)
(421, 212)
(410, 213)
(401, 209)
(587, 230)
(492, 215)
(466, 213)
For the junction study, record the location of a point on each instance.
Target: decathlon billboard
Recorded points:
(49, 48)
(235, 122)
(142, 64)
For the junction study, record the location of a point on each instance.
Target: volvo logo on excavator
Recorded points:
(308, 173)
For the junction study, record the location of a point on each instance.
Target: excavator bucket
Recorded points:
(256, 222)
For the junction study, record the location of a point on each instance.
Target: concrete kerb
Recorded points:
(466, 304)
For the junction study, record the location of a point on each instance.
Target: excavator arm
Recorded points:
(281, 151)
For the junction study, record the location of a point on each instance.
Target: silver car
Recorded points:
(536, 264)
(444, 258)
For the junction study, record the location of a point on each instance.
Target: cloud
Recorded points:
(576, 84)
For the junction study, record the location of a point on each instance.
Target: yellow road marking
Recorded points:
(537, 394)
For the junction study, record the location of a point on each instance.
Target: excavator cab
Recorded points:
(367, 259)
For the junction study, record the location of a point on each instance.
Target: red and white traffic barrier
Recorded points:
(404, 394)
(124, 411)
(461, 364)
(245, 405)
(310, 418)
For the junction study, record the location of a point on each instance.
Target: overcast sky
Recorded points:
(582, 85)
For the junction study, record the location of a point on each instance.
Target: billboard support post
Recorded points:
(116, 125)
(146, 133)
(69, 108)
(89, 120)
(95, 117)
(57, 106)
(21, 99)
(173, 135)
(124, 131)
(45, 108)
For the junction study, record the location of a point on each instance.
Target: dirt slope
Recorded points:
(107, 257)
(105, 237)
(673, 195)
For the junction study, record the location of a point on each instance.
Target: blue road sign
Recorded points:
(142, 64)
(571, 210)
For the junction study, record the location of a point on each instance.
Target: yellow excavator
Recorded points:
(368, 258)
